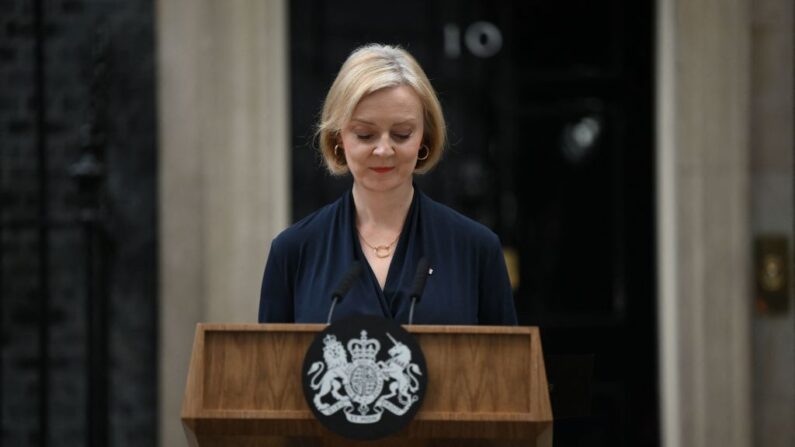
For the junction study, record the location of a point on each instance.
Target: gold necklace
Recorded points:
(381, 251)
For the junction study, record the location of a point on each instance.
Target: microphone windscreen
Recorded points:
(419, 278)
(347, 281)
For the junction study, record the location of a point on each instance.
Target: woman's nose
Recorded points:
(384, 146)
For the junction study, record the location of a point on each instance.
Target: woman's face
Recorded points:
(383, 137)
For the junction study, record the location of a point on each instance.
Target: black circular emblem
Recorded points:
(364, 377)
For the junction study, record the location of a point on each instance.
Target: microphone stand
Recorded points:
(344, 286)
(418, 286)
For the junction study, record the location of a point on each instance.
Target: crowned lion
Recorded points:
(336, 362)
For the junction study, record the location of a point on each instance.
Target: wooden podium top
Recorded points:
(486, 386)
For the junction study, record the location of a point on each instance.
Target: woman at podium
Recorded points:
(382, 124)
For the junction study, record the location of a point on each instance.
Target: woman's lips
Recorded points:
(382, 170)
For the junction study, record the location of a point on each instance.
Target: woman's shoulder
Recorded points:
(309, 227)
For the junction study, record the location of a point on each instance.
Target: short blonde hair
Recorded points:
(368, 69)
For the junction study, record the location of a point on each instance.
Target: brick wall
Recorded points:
(125, 274)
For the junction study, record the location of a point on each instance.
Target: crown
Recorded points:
(363, 348)
(330, 342)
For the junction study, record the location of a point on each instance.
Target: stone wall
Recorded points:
(223, 174)
(772, 186)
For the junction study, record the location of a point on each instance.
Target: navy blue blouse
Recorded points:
(468, 284)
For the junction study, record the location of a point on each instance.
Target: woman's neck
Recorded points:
(386, 210)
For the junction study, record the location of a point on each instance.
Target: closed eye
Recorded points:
(364, 137)
(401, 136)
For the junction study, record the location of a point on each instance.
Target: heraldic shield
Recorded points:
(364, 377)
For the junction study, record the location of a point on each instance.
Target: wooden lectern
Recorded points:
(486, 386)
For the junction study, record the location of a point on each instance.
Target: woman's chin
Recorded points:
(383, 183)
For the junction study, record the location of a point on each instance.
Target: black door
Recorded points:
(549, 106)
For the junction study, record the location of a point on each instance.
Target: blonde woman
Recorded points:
(382, 124)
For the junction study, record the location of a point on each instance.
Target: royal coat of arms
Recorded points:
(364, 387)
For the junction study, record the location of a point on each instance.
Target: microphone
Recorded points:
(418, 285)
(344, 286)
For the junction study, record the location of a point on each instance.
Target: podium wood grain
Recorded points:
(486, 386)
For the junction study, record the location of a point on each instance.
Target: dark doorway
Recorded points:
(549, 106)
